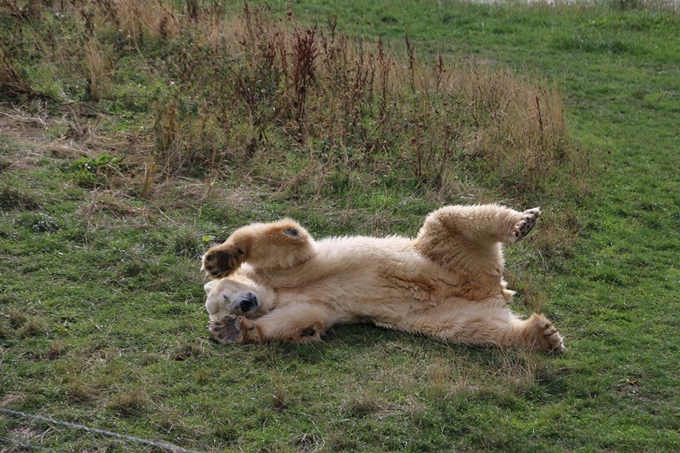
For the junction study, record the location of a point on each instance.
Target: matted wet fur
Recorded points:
(273, 281)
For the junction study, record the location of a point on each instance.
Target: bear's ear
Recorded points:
(208, 286)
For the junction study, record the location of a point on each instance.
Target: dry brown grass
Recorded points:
(345, 105)
(99, 83)
(310, 112)
(135, 20)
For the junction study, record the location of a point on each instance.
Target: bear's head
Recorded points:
(237, 295)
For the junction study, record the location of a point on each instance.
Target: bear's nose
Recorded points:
(248, 302)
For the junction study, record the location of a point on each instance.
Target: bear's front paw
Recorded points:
(225, 330)
(222, 260)
(526, 223)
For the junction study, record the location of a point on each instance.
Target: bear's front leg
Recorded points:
(235, 330)
(279, 244)
(296, 323)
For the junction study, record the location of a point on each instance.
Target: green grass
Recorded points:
(101, 316)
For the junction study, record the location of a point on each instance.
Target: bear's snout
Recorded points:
(247, 302)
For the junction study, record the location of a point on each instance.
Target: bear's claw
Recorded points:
(525, 225)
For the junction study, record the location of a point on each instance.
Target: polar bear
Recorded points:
(273, 281)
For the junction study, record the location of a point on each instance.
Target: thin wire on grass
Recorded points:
(163, 445)
(25, 446)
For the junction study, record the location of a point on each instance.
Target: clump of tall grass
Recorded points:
(266, 92)
(12, 81)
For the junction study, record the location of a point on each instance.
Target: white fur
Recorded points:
(446, 283)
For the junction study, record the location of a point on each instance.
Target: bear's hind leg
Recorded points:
(474, 324)
(281, 244)
(468, 241)
(481, 225)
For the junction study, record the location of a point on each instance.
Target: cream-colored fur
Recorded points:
(274, 281)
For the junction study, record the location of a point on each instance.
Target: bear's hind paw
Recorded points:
(544, 336)
(526, 223)
(553, 339)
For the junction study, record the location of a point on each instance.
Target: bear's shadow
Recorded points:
(342, 345)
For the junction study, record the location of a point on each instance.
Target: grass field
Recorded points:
(131, 139)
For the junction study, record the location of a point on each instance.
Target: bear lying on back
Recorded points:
(273, 281)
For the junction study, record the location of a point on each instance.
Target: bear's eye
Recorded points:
(225, 297)
(291, 232)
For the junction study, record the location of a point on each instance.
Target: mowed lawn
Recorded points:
(101, 307)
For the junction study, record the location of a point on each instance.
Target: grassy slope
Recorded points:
(136, 361)
(618, 294)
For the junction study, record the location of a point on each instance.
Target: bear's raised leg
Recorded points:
(481, 325)
(296, 323)
(267, 245)
(467, 240)
(476, 225)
